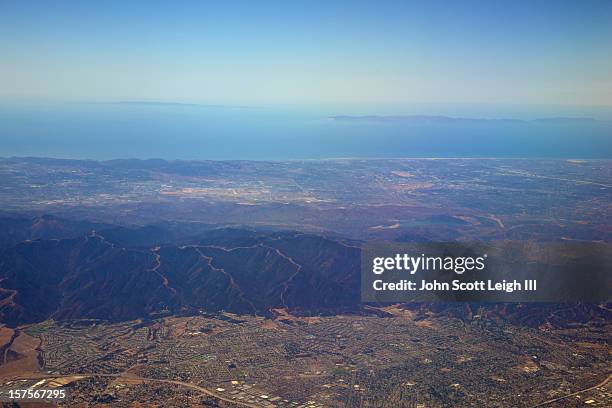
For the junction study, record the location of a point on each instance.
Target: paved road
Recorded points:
(601, 384)
(134, 377)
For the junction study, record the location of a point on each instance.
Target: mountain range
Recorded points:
(54, 268)
(122, 273)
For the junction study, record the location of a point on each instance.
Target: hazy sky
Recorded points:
(316, 53)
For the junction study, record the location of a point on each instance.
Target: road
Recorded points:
(601, 384)
(133, 377)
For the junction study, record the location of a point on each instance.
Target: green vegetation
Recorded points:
(39, 328)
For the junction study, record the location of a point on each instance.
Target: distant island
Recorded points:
(424, 119)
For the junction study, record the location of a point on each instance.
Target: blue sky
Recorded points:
(369, 54)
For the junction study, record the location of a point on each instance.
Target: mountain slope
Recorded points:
(92, 277)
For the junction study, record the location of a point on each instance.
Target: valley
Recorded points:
(229, 284)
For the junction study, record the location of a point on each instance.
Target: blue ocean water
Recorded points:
(133, 130)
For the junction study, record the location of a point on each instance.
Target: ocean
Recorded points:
(177, 131)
